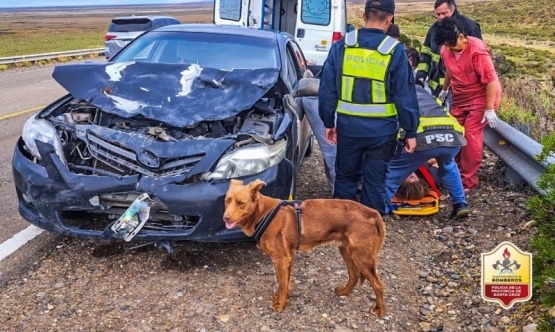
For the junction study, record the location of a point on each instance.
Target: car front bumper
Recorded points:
(51, 197)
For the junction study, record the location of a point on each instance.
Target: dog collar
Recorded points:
(265, 222)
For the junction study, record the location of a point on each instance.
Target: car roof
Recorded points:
(222, 29)
(150, 17)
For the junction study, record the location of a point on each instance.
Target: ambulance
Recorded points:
(315, 24)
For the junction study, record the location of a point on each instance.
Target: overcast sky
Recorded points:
(56, 3)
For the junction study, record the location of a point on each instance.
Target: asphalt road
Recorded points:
(22, 93)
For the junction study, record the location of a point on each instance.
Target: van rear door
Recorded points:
(231, 12)
(315, 27)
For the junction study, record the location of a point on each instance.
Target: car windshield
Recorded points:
(205, 49)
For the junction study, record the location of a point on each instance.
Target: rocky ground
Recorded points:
(430, 267)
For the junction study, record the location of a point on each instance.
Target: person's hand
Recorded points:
(410, 145)
(491, 118)
(443, 95)
(331, 135)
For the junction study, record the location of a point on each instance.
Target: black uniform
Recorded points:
(430, 62)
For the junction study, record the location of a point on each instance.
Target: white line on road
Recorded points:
(18, 240)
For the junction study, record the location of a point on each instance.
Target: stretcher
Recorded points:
(422, 207)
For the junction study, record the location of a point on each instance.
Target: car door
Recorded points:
(296, 68)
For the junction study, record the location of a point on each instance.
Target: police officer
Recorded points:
(430, 65)
(367, 81)
(439, 136)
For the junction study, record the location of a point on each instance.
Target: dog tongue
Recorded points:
(230, 225)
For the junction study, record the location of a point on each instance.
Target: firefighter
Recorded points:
(430, 65)
(367, 81)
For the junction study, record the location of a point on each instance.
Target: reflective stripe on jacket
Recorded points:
(366, 64)
(437, 127)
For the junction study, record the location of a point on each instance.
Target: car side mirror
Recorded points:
(308, 87)
(350, 27)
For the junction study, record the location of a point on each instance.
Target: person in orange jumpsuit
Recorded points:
(476, 92)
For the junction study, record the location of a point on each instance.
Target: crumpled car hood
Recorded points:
(177, 94)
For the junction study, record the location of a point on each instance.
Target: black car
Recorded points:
(170, 119)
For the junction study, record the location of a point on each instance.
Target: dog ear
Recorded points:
(255, 187)
(235, 182)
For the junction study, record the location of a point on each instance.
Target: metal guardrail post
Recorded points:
(518, 151)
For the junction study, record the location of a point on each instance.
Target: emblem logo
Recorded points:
(148, 159)
(506, 275)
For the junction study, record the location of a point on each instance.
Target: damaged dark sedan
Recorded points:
(169, 120)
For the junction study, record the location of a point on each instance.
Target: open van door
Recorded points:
(319, 25)
(315, 24)
(231, 12)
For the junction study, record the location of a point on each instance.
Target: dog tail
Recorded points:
(380, 228)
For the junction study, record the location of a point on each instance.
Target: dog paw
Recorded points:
(277, 306)
(342, 291)
(275, 297)
(377, 311)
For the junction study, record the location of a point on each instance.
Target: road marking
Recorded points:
(18, 240)
(4, 117)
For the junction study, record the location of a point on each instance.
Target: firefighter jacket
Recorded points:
(437, 127)
(367, 83)
(430, 65)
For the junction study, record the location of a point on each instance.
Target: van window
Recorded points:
(130, 25)
(316, 12)
(230, 10)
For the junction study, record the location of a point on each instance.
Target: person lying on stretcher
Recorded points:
(439, 137)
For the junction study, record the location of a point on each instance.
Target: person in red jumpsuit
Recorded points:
(476, 92)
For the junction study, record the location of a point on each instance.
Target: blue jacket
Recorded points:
(399, 87)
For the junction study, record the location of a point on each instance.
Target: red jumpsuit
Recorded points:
(471, 70)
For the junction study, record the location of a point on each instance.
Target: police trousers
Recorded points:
(363, 158)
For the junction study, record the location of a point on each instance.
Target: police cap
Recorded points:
(387, 6)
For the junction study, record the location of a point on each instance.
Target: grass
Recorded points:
(521, 31)
(43, 32)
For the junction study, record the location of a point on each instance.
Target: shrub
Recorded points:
(529, 102)
(543, 242)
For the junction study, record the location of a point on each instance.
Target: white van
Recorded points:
(316, 26)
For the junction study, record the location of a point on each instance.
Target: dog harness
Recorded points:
(265, 222)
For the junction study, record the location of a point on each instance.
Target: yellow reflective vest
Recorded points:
(366, 64)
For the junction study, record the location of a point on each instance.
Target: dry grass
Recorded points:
(34, 32)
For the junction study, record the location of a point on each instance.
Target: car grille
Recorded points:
(160, 220)
(124, 160)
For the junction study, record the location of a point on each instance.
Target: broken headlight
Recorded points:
(248, 160)
(41, 130)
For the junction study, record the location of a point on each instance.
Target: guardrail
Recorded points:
(518, 151)
(46, 56)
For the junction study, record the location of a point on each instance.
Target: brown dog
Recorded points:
(357, 230)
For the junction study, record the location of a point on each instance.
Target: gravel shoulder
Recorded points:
(430, 268)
